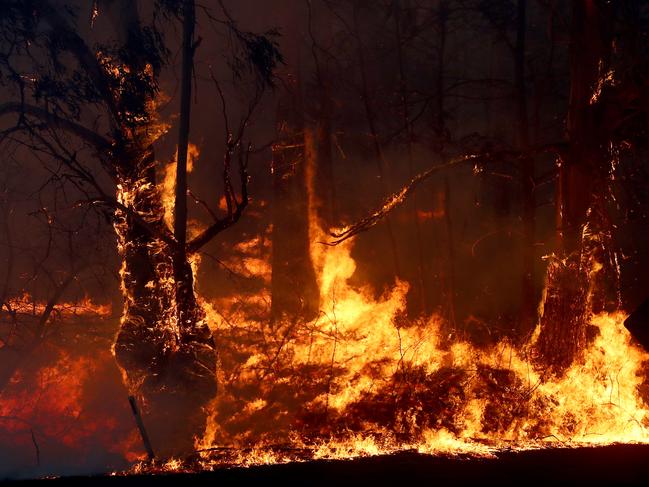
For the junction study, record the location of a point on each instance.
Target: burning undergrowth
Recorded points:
(361, 379)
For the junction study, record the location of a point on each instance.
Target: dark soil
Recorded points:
(610, 465)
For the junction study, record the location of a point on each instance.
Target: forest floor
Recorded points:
(623, 465)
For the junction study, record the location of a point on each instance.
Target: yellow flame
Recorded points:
(168, 186)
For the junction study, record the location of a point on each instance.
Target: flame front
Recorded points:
(361, 379)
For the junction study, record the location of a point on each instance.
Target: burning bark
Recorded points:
(169, 364)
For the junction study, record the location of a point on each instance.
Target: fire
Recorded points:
(26, 304)
(51, 401)
(168, 185)
(51, 407)
(362, 380)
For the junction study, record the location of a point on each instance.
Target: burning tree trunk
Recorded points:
(318, 134)
(566, 306)
(294, 287)
(164, 345)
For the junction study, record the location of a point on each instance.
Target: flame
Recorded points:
(50, 405)
(362, 379)
(26, 304)
(168, 186)
(47, 397)
(491, 398)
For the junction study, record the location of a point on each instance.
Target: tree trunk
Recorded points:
(528, 307)
(294, 288)
(449, 305)
(566, 306)
(370, 116)
(164, 346)
(422, 288)
(319, 129)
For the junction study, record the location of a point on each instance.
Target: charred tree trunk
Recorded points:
(566, 306)
(449, 305)
(294, 287)
(319, 130)
(450, 271)
(422, 290)
(370, 116)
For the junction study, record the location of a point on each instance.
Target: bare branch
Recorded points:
(99, 142)
(234, 212)
(397, 199)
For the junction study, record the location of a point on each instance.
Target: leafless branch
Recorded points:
(90, 136)
(397, 199)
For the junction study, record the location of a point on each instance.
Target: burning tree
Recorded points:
(91, 106)
(607, 102)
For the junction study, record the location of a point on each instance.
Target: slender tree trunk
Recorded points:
(450, 271)
(318, 144)
(405, 113)
(182, 272)
(440, 127)
(528, 308)
(376, 143)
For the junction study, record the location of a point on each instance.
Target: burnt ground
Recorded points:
(610, 465)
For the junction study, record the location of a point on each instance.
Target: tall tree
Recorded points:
(164, 345)
(526, 170)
